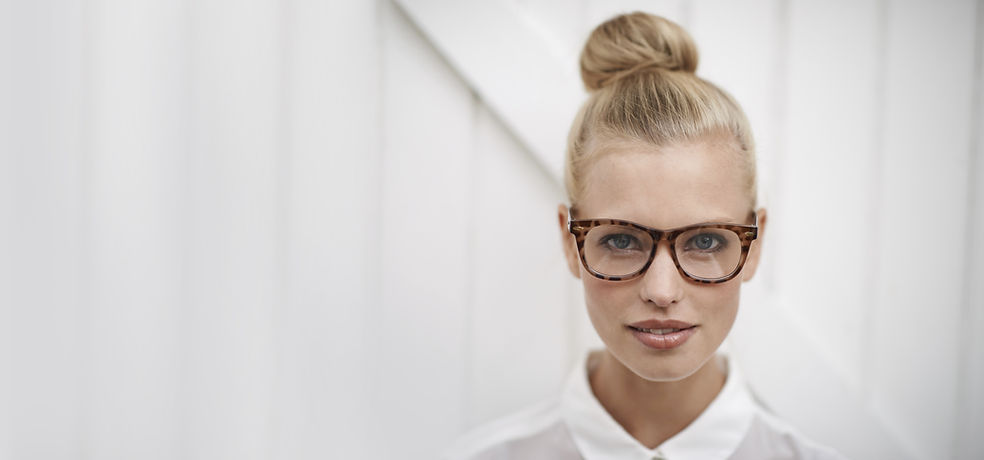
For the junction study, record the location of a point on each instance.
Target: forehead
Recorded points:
(665, 187)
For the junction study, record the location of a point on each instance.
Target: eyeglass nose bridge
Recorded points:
(670, 237)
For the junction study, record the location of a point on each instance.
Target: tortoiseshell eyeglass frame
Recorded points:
(580, 228)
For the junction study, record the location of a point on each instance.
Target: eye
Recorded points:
(706, 242)
(620, 241)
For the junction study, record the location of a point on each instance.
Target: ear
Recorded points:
(568, 242)
(755, 252)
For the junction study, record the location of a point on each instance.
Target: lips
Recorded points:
(661, 324)
(662, 334)
(660, 331)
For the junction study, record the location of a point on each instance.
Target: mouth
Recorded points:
(661, 324)
(665, 335)
(663, 331)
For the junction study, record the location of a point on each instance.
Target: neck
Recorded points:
(653, 412)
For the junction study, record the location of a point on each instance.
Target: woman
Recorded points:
(662, 229)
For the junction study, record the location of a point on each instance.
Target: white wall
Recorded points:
(302, 229)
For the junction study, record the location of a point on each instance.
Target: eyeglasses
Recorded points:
(619, 250)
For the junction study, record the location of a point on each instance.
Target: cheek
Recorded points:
(607, 301)
(719, 304)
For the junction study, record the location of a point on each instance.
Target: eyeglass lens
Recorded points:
(618, 250)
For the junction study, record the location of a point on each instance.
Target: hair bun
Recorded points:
(631, 43)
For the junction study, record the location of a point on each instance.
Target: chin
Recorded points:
(664, 373)
(662, 366)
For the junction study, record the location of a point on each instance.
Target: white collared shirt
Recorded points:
(575, 425)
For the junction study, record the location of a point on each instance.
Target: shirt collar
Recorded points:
(715, 434)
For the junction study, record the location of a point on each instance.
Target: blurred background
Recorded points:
(290, 229)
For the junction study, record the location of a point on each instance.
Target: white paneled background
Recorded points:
(300, 229)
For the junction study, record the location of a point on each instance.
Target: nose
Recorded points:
(662, 284)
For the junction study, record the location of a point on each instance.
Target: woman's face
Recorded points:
(663, 188)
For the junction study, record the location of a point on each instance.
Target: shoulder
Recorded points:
(530, 433)
(769, 437)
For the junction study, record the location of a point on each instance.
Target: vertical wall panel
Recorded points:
(828, 164)
(233, 257)
(133, 192)
(40, 223)
(520, 325)
(420, 328)
(331, 232)
(7, 218)
(922, 220)
(970, 398)
(7, 235)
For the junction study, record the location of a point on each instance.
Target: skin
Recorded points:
(666, 187)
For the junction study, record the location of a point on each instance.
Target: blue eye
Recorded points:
(620, 241)
(706, 242)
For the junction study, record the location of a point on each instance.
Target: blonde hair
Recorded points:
(639, 71)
